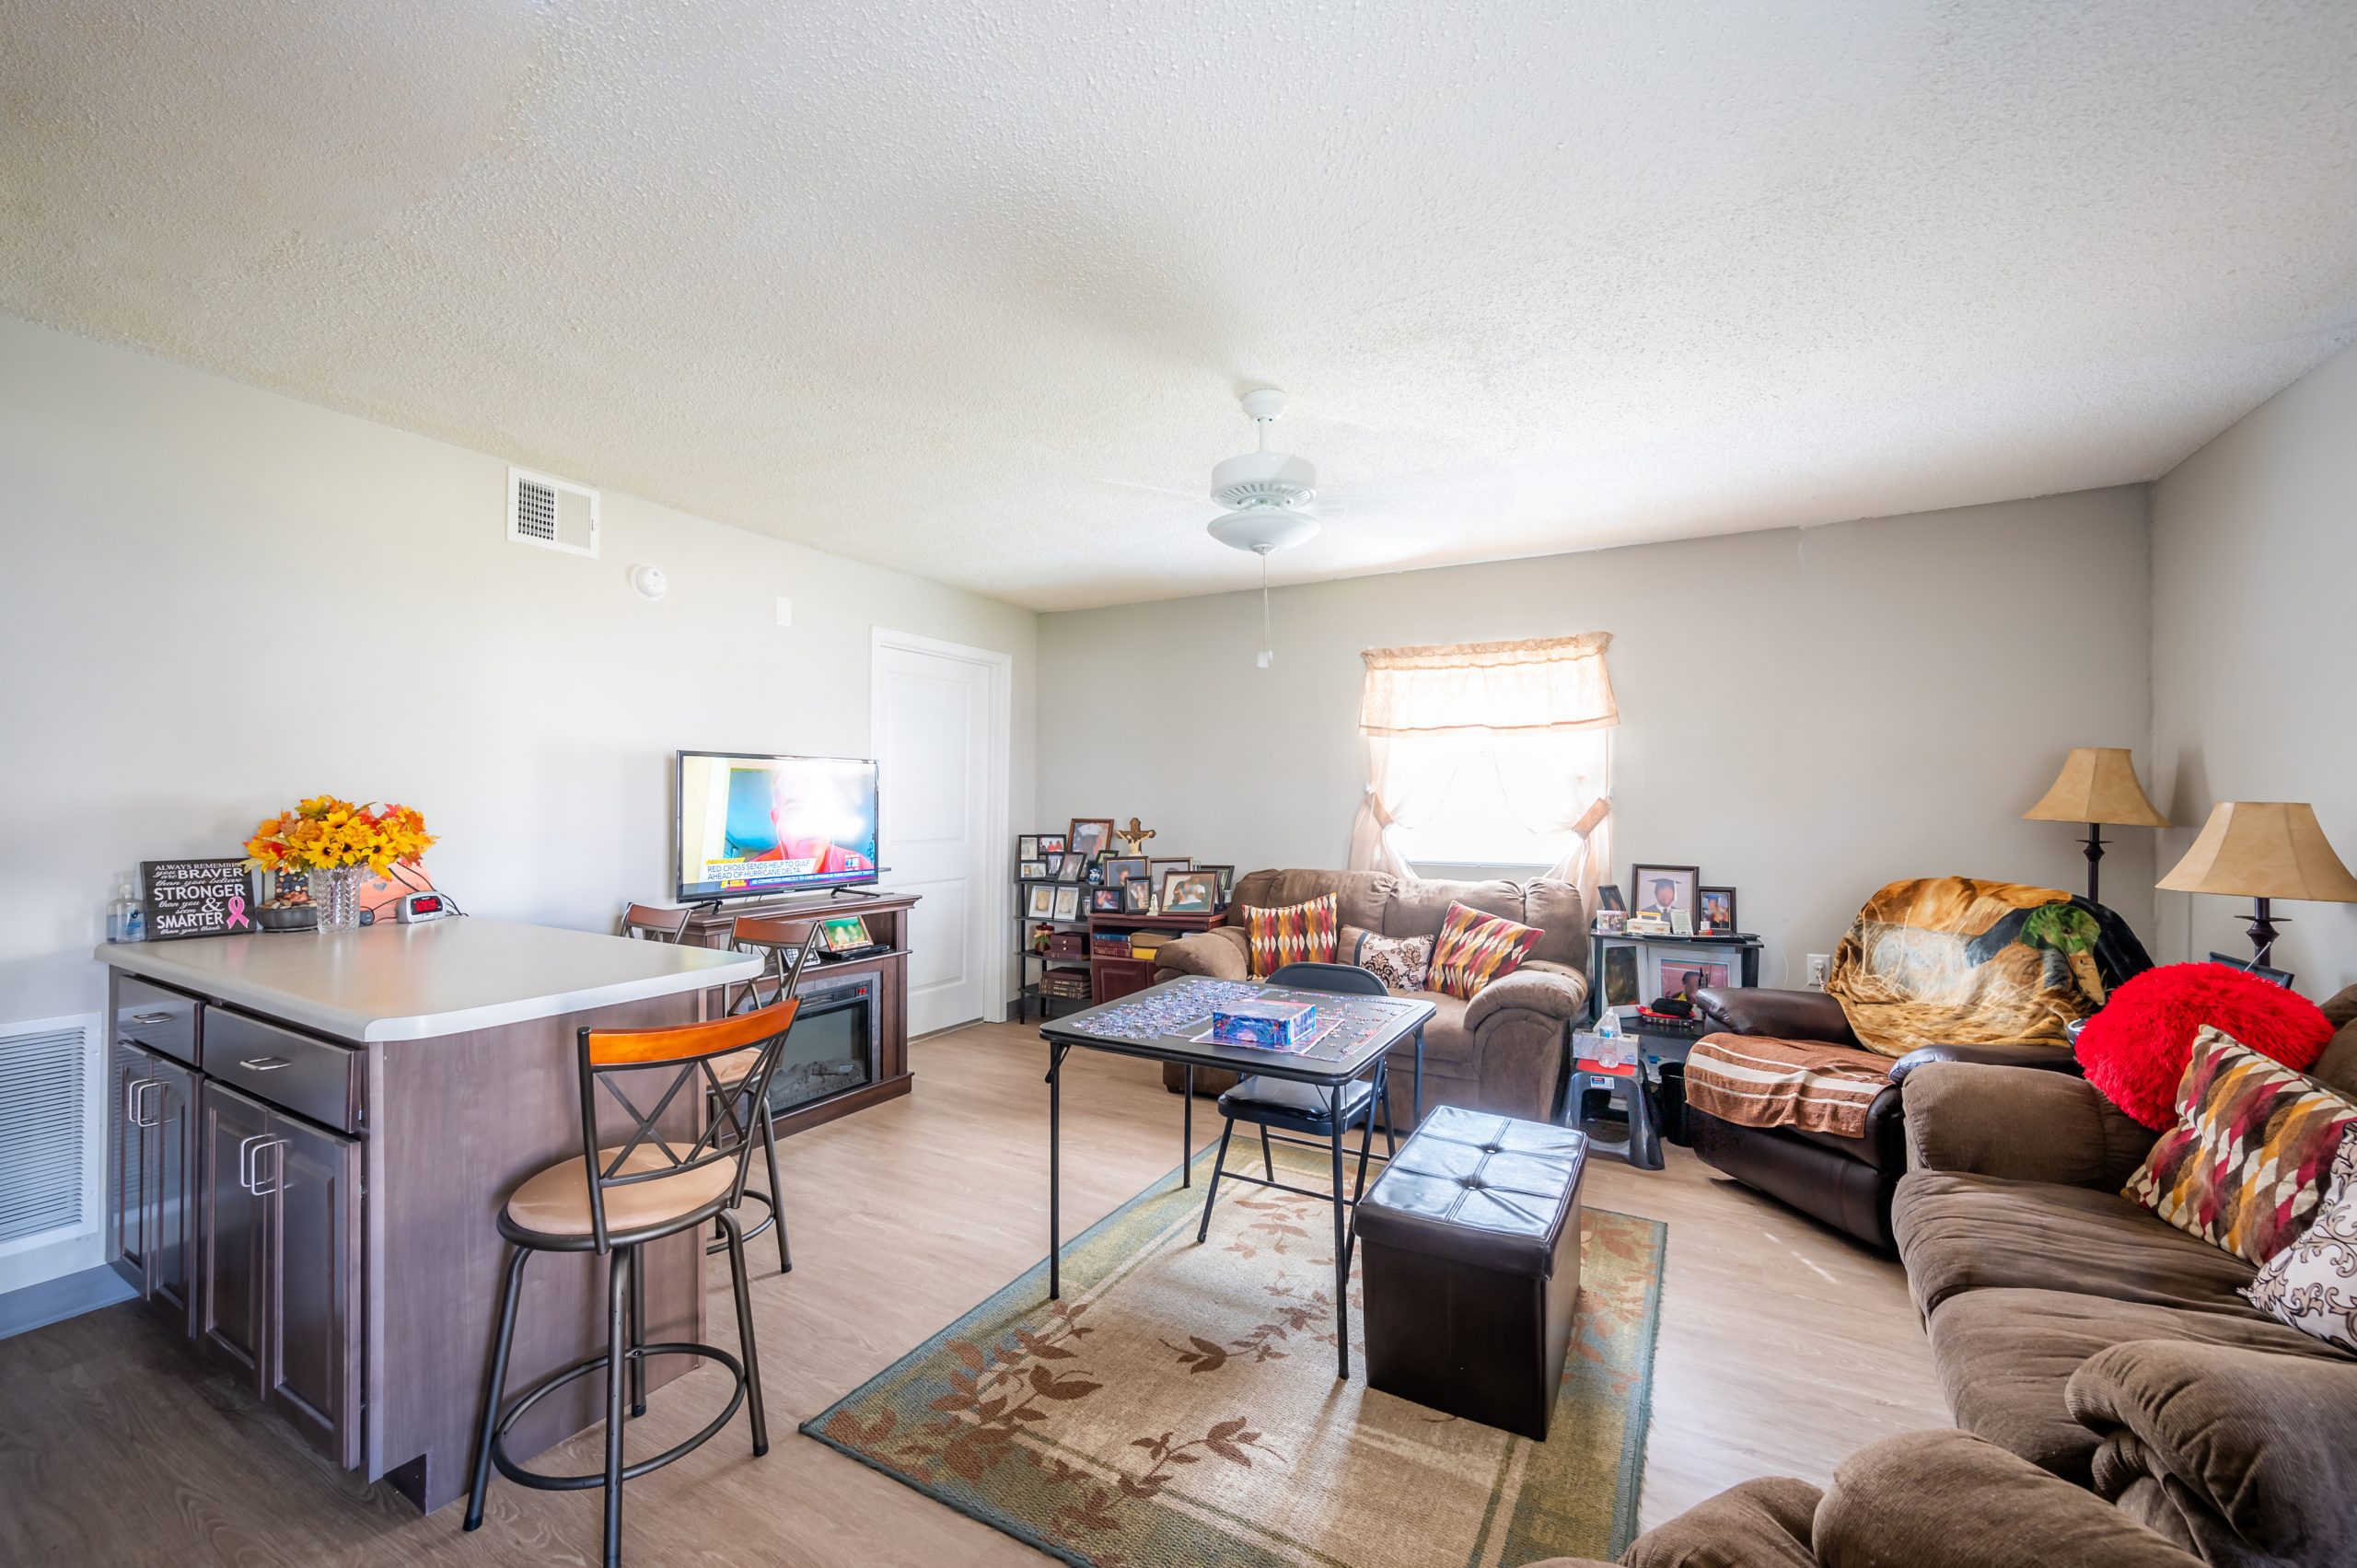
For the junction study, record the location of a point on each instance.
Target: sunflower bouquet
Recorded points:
(326, 834)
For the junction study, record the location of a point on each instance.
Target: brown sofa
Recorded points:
(1846, 1182)
(1501, 1051)
(2077, 1330)
(1920, 1500)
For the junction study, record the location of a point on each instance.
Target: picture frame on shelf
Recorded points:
(1032, 871)
(1039, 901)
(1621, 971)
(1680, 924)
(1611, 922)
(1681, 971)
(1188, 890)
(1105, 900)
(1051, 843)
(1663, 889)
(1089, 837)
(1120, 868)
(1137, 896)
(1610, 897)
(1716, 906)
(1026, 846)
(1074, 870)
(1067, 902)
(1226, 879)
(1157, 867)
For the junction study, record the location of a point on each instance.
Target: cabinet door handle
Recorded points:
(277, 1147)
(130, 1087)
(246, 1160)
(139, 1105)
(151, 1017)
(262, 1064)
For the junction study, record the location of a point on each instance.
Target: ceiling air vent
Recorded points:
(551, 513)
(43, 1116)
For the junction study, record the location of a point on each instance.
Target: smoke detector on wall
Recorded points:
(551, 513)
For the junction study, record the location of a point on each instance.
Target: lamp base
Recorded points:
(2261, 932)
(2094, 841)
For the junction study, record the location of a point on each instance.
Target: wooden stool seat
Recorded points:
(730, 1069)
(613, 1200)
(555, 1201)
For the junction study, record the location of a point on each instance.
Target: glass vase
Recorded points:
(335, 893)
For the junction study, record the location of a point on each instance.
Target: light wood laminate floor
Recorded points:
(1783, 1347)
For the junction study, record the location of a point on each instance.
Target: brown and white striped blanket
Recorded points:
(1756, 1081)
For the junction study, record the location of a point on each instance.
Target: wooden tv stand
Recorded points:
(887, 922)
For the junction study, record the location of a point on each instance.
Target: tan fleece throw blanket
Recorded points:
(1755, 1081)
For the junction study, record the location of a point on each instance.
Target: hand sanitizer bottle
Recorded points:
(135, 924)
(118, 915)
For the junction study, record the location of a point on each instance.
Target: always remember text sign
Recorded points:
(195, 897)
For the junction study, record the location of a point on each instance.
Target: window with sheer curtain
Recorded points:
(1488, 753)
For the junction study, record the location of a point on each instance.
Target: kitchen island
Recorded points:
(309, 1139)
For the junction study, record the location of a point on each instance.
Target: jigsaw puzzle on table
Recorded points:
(1344, 1022)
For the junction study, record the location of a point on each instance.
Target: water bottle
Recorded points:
(120, 913)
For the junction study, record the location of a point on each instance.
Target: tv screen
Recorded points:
(751, 825)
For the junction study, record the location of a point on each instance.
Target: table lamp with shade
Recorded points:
(2263, 850)
(2098, 786)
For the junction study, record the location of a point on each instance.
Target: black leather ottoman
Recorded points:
(1470, 1252)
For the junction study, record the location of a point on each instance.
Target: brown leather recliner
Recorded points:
(1846, 1182)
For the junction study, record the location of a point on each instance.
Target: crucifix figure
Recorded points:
(1135, 835)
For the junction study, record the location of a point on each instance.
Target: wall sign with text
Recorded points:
(195, 897)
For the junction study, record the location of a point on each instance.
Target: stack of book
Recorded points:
(1143, 943)
(1071, 983)
(1110, 944)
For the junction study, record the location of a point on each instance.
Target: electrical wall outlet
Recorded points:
(1817, 964)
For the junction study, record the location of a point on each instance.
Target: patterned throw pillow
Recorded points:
(1298, 934)
(1403, 963)
(2244, 1167)
(1473, 949)
(2312, 1285)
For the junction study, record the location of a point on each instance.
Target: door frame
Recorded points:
(995, 908)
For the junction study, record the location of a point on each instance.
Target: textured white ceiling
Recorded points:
(934, 286)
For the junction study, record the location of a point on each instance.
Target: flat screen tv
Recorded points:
(753, 825)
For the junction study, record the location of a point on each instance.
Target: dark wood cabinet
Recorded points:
(232, 1234)
(279, 1251)
(151, 1209)
(310, 1183)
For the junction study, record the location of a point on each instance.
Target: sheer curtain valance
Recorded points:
(1536, 714)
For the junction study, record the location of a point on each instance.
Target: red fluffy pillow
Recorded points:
(2136, 1048)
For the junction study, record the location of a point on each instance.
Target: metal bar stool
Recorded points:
(774, 937)
(611, 1201)
(1307, 1110)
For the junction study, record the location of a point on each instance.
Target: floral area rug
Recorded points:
(1178, 1406)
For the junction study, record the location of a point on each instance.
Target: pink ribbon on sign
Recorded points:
(237, 911)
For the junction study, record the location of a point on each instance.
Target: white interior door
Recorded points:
(941, 738)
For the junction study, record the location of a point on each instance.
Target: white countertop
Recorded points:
(443, 977)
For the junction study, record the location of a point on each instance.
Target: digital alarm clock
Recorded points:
(416, 907)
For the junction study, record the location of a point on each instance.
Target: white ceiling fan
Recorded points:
(1272, 501)
(1269, 496)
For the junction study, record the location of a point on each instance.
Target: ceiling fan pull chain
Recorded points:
(1268, 641)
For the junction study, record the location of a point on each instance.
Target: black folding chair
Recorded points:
(1304, 1109)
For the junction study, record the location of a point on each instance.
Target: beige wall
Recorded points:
(1806, 715)
(380, 639)
(2254, 563)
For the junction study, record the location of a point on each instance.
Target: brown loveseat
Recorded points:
(2075, 1329)
(1501, 1051)
(1920, 1500)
